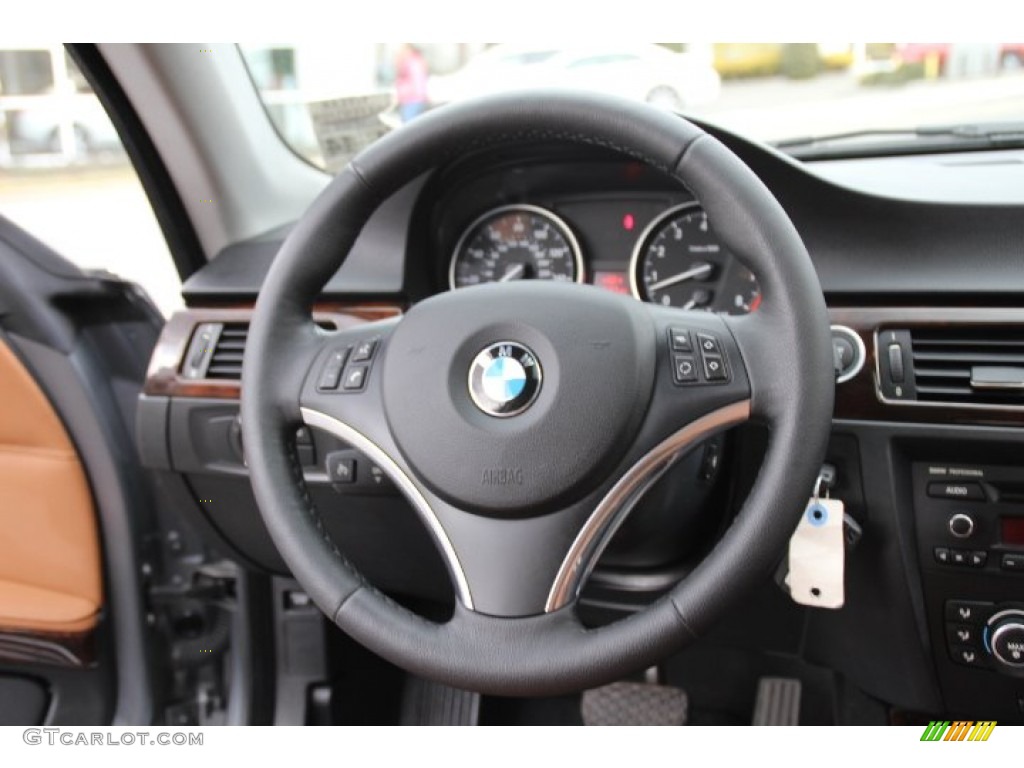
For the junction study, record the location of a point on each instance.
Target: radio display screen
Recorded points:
(1011, 531)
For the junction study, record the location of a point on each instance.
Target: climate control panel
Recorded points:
(987, 635)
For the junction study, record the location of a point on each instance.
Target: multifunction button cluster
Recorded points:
(346, 369)
(697, 357)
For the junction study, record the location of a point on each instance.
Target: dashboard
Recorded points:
(926, 446)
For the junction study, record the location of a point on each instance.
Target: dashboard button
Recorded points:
(355, 377)
(1012, 562)
(942, 555)
(684, 368)
(977, 558)
(714, 368)
(967, 655)
(331, 373)
(364, 351)
(959, 556)
(963, 634)
(708, 344)
(967, 611)
(341, 468)
(963, 491)
(680, 338)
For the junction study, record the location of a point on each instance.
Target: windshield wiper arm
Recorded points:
(988, 134)
(992, 132)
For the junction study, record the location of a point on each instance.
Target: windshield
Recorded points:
(328, 101)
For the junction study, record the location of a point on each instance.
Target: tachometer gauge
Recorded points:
(516, 242)
(680, 262)
(741, 294)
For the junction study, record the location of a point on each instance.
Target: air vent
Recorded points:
(971, 366)
(226, 360)
(217, 349)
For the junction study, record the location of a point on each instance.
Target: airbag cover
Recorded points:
(596, 351)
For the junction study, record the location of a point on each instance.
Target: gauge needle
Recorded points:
(513, 272)
(701, 270)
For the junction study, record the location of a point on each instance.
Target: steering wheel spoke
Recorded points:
(510, 565)
(341, 394)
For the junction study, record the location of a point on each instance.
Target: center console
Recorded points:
(970, 538)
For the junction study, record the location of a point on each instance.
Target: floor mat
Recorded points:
(627, 703)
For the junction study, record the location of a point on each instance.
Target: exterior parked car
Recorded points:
(649, 73)
(789, 59)
(38, 129)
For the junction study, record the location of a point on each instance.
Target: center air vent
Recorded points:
(217, 349)
(980, 366)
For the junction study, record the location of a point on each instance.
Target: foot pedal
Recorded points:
(778, 701)
(428, 703)
(635, 704)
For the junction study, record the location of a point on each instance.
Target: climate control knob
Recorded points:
(1004, 636)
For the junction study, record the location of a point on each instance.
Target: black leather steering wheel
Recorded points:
(522, 422)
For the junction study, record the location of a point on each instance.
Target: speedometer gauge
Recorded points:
(680, 262)
(516, 242)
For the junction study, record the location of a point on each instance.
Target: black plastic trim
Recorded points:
(182, 240)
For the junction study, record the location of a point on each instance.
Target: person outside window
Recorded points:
(411, 73)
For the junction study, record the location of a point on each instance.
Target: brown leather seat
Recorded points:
(50, 567)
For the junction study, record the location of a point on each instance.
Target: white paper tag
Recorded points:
(816, 555)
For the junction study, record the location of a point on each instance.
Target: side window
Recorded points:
(64, 175)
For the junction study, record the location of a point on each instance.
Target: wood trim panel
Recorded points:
(858, 398)
(163, 376)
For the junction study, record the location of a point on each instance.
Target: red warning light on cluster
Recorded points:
(612, 281)
(628, 222)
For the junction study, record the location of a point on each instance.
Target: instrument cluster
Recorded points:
(663, 253)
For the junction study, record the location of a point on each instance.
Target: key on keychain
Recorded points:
(817, 554)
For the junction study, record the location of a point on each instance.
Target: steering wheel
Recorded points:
(523, 421)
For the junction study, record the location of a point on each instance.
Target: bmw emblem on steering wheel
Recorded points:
(504, 379)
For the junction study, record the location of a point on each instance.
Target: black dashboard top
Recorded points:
(866, 247)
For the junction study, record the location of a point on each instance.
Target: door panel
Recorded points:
(72, 612)
(50, 568)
